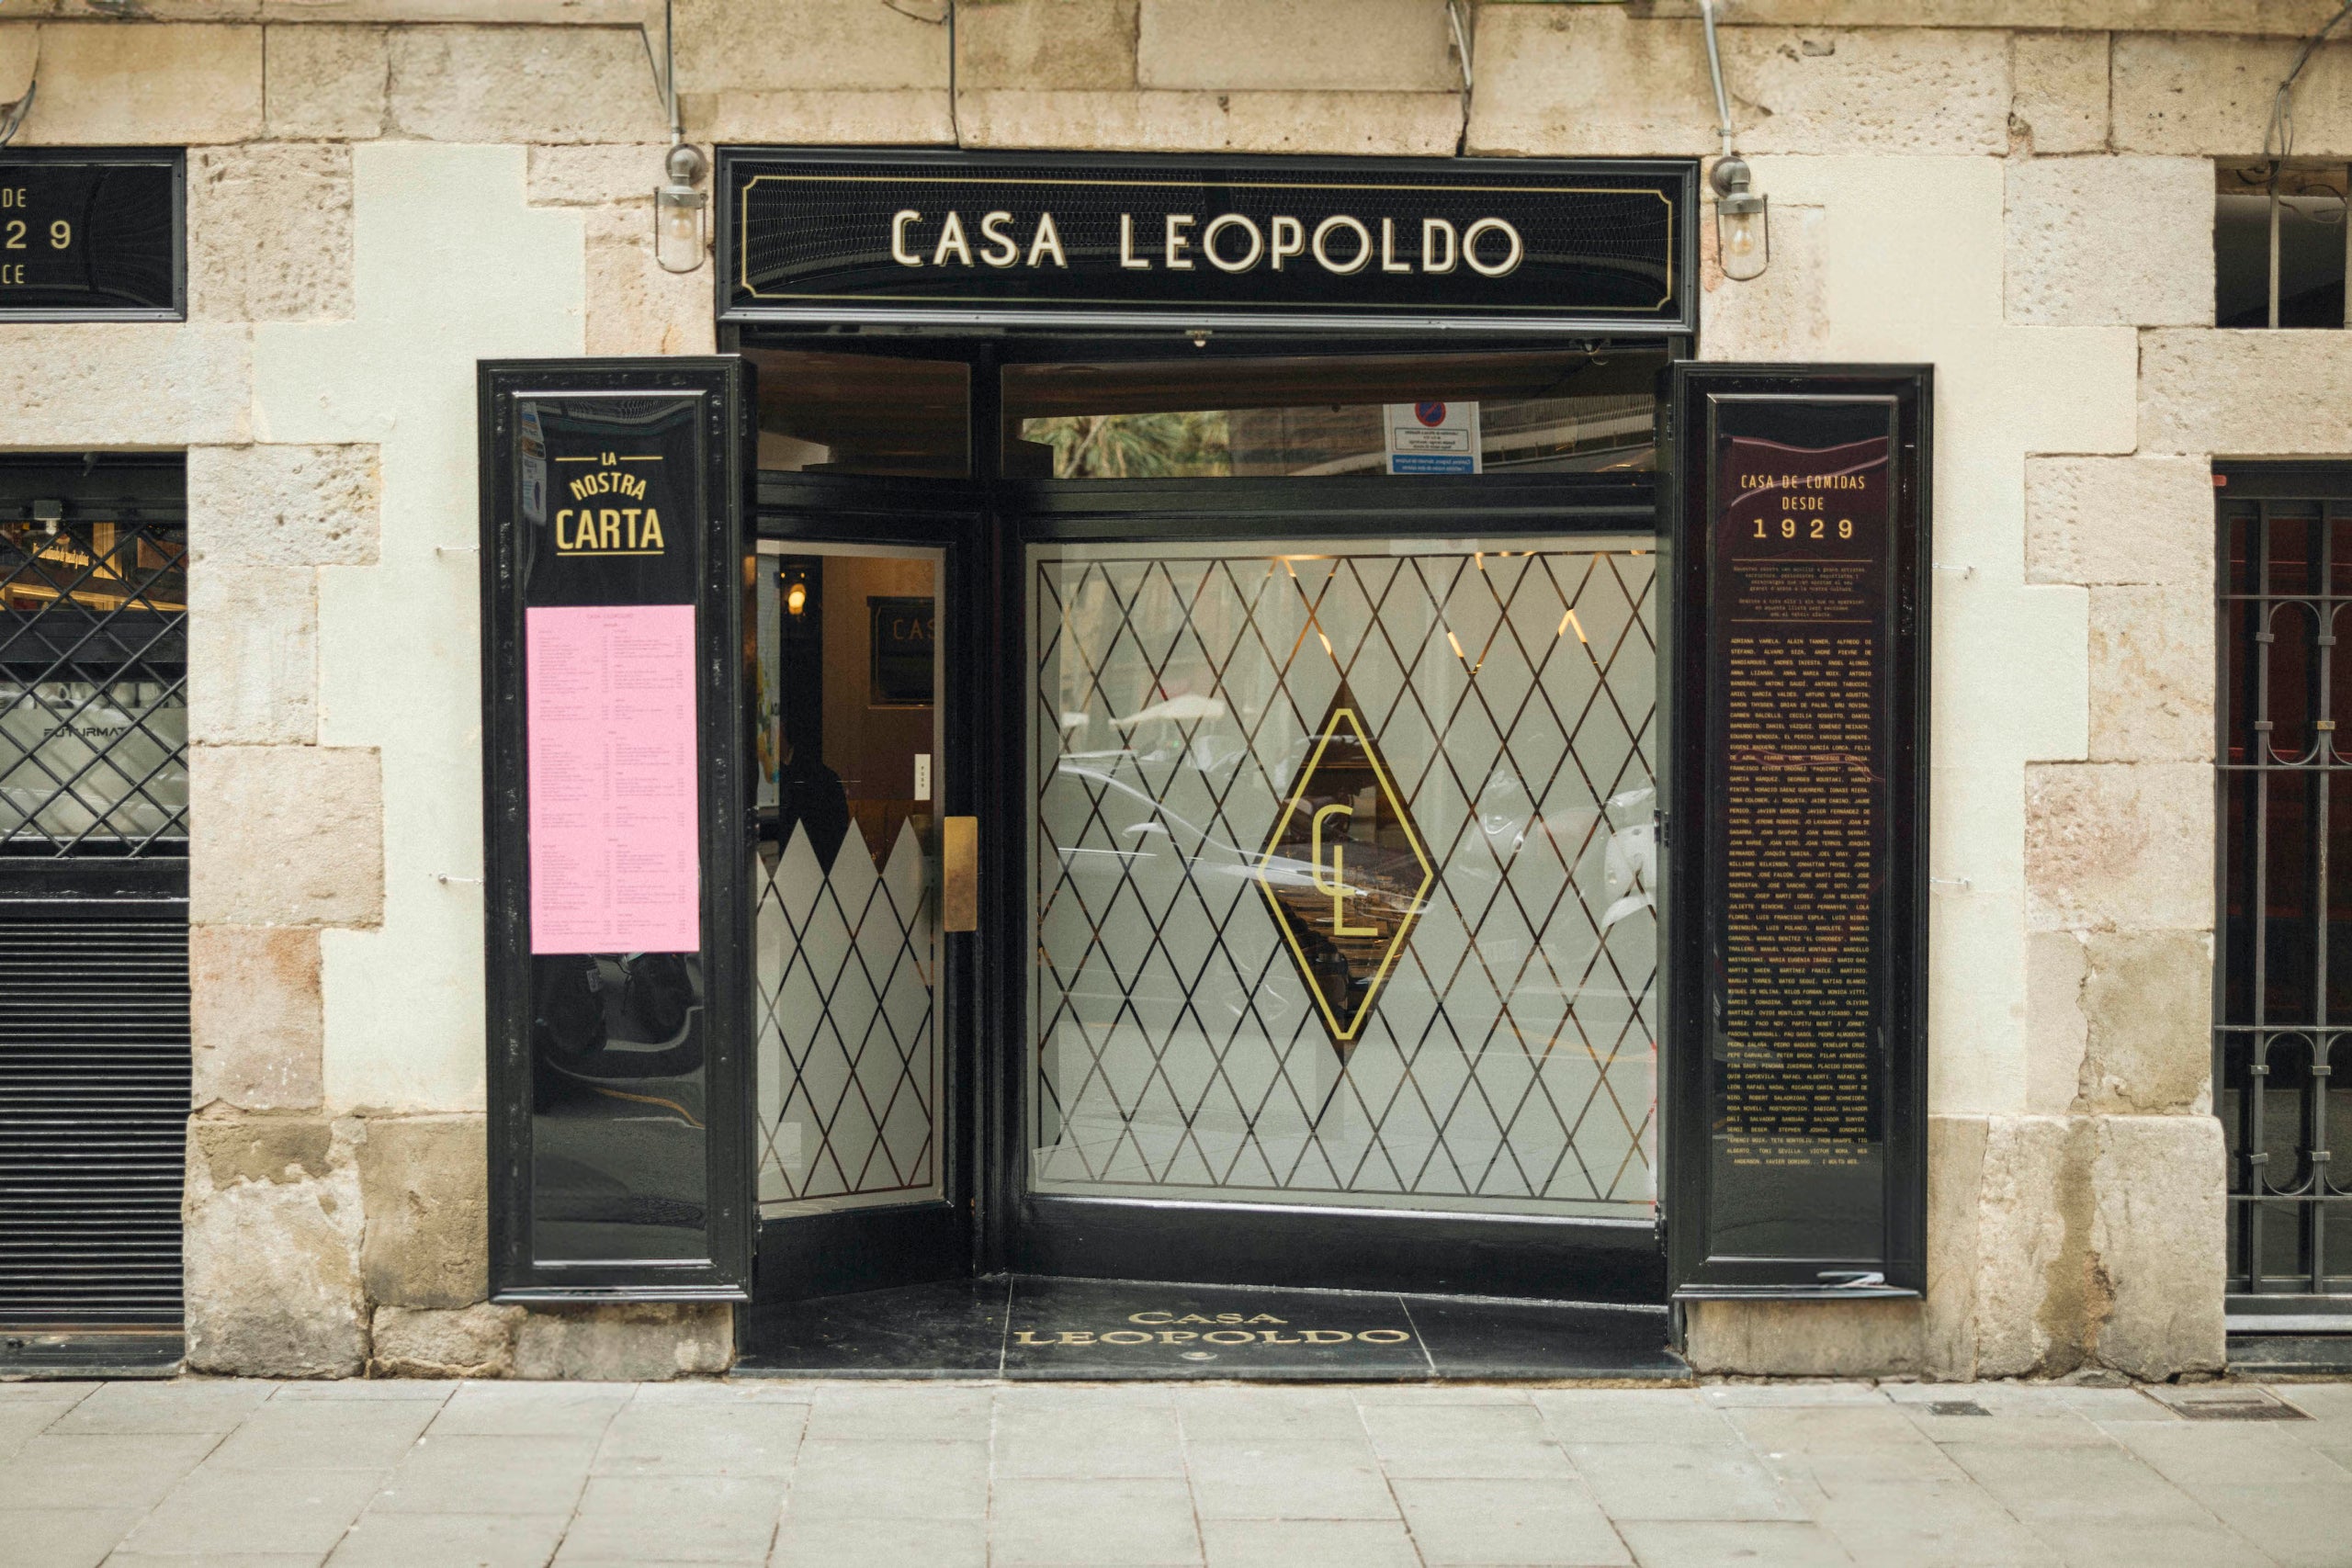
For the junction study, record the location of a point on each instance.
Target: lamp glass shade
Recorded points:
(677, 228)
(1744, 236)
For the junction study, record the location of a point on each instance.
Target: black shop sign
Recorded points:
(1033, 239)
(93, 234)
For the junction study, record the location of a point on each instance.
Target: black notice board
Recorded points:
(1796, 514)
(93, 234)
(614, 505)
(1035, 238)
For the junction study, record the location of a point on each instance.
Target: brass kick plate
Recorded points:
(959, 881)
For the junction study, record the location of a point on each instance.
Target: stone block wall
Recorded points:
(383, 191)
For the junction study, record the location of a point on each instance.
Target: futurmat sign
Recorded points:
(1012, 239)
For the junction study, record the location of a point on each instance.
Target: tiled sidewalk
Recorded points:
(203, 1474)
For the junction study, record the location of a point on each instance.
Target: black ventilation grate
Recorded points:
(94, 1106)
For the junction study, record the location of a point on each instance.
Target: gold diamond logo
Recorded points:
(1345, 872)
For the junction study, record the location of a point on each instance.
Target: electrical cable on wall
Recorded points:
(12, 115)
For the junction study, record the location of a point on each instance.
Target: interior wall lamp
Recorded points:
(1743, 217)
(680, 239)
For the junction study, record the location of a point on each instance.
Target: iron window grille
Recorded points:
(2283, 1006)
(93, 668)
(2279, 244)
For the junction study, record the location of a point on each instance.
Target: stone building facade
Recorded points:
(382, 193)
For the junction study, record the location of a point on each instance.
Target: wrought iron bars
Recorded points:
(2284, 1009)
(93, 685)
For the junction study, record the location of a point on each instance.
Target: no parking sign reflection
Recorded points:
(1432, 438)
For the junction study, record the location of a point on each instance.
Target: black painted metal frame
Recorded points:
(1691, 984)
(2280, 714)
(875, 1247)
(1306, 1245)
(1677, 175)
(172, 158)
(730, 440)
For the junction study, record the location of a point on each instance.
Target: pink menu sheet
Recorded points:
(616, 843)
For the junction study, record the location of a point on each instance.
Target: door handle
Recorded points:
(960, 874)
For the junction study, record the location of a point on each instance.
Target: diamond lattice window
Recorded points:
(93, 686)
(1507, 1060)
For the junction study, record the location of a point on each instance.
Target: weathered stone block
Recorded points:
(2147, 1005)
(523, 85)
(1804, 1339)
(272, 1240)
(624, 1344)
(425, 1180)
(1993, 1229)
(2157, 1241)
(2102, 520)
(2058, 100)
(2178, 93)
(1046, 45)
(1780, 317)
(2291, 17)
(2153, 674)
(269, 232)
(252, 665)
(255, 1017)
(325, 83)
(634, 307)
(426, 1342)
(71, 386)
(2056, 1033)
(104, 84)
(597, 176)
(2118, 845)
(1391, 46)
(284, 506)
(1398, 124)
(912, 117)
(1596, 81)
(2110, 242)
(764, 45)
(286, 835)
(2227, 391)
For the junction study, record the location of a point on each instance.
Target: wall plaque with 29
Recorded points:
(93, 234)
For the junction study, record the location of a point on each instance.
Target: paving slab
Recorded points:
(1522, 1524)
(1307, 1543)
(1084, 1523)
(221, 1511)
(480, 1540)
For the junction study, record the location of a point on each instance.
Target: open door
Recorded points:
(866, 635)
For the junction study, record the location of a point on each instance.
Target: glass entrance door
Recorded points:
(861, 838)
(1342, 880)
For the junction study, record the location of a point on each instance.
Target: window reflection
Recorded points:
(1562, 412)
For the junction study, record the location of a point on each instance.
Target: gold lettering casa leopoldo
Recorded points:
(1231, 242)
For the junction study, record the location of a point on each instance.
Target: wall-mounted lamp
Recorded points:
(796, 594)
(678, 207)
(1743, 224)
(678, 200)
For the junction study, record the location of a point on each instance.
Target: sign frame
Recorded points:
(1675, 181)
(173, 159)
(725, 440)
(1695, 912)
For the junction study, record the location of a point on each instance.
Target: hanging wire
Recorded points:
(2278, 139)
(13, 115)
(1459, 25)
